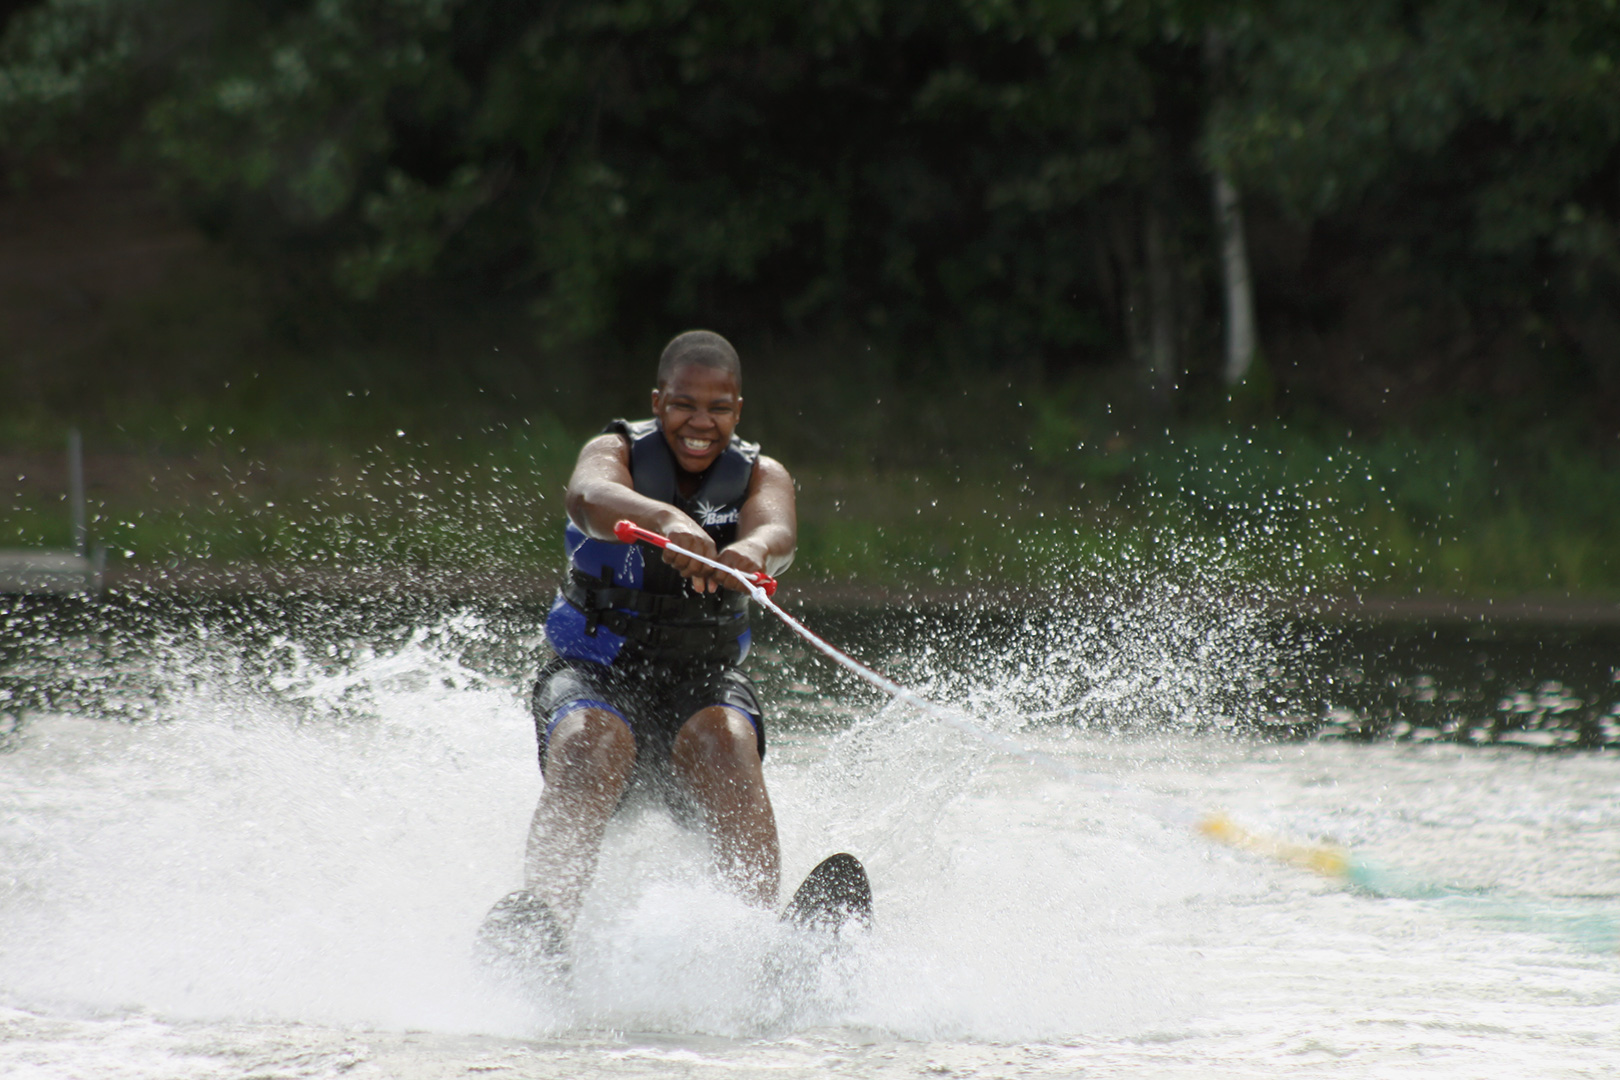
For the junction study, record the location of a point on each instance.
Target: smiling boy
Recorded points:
(646, 688)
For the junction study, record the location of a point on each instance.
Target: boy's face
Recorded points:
(698, 409)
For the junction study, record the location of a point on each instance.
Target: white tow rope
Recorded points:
(761, 587)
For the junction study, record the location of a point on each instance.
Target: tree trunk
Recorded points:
(1240, 339)
(1162, 367)
(1124, 258)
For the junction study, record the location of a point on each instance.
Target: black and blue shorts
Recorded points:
(653, 699)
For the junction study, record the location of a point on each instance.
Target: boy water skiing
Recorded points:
(646, 686)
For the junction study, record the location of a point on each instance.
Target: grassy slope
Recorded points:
(216, 436)
(1225, 508)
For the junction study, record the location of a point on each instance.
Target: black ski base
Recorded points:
(521, 941)
(836, 894)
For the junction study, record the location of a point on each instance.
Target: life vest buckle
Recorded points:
(593, 612)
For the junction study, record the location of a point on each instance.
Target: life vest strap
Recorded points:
(661, 624)
(588, 594)
(673, 640)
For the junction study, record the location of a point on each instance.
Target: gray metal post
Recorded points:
(81, 529)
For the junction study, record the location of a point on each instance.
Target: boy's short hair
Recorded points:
(703, 347)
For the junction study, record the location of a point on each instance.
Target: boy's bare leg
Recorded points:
(716, 757)
(588, 761)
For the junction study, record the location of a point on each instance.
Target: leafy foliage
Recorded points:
(962, 181)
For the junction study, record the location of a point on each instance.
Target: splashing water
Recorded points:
(297, 835)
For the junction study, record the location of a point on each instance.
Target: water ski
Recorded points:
(520, 941)
(834, 894)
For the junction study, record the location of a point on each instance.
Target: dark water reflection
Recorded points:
(135, 657)
(1528, 684)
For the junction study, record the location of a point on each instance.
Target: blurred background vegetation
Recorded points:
(346, 281)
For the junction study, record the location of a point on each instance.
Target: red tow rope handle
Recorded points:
(628, 531)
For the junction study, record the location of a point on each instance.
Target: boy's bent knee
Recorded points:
(718, 737)
(590, 740)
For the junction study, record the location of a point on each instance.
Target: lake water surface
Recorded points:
(251, 837)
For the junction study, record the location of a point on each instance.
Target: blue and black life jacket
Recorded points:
(624, 601)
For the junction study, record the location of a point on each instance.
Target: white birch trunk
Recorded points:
(1240, 339)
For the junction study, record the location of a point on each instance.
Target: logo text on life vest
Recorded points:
(708, 516)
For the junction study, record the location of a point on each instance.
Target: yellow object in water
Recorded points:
(1325, 859)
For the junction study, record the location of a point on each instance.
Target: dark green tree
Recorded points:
(1017, 185)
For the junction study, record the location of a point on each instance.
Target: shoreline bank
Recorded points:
(525, 586)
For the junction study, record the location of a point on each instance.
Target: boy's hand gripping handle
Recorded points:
(628, 531)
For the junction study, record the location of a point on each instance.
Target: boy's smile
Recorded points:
(697, 408)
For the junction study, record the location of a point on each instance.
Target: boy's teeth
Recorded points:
(697, 444)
